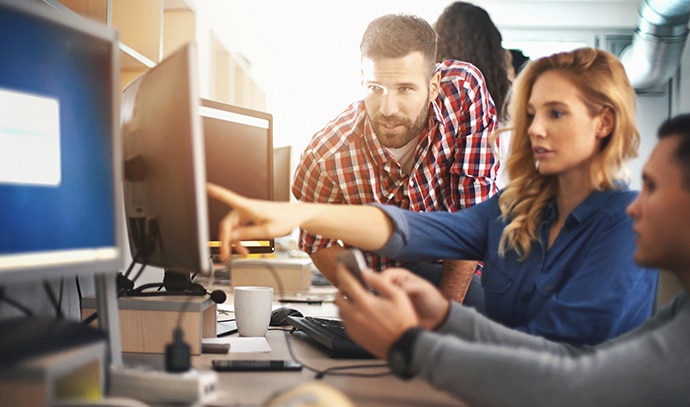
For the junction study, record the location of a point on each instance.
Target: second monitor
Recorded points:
(239, 156)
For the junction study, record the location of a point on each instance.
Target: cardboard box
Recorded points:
(147, 323)
(285, 275)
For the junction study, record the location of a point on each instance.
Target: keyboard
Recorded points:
(329, 333)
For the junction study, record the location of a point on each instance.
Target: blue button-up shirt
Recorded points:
(583, 290)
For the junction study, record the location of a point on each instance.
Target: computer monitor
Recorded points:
(60, 193)
(282, 173)
(239, 156)
(165, 178)
(60, 153)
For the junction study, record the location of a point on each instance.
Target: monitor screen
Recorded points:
(239, 156)
(165, 177)
(59, 144)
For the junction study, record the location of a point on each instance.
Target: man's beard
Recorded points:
(397, 139)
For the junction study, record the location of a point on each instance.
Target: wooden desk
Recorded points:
(254, 388)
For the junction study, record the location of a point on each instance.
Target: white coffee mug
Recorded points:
(253, 307)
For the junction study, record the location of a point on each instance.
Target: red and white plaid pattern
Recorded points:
(454, 164)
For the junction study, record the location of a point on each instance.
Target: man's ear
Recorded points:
(434, 86)
(607, 121)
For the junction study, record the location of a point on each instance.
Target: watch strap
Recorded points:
(400, 353)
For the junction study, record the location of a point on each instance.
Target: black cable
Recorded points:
(53, 300)
(319, 373)
(141, 270)
(227, 333)
(61, 292)
(123, 282)
(332, 370)
(178, 353)
(79, 294)
(123, 285)
(90, 318)
(140, 290)
(131, 265)
(21, 307)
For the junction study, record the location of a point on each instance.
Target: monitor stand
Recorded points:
(108, 315)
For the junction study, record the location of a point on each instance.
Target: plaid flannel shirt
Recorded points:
(454, 166)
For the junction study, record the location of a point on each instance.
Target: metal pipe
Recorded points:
(658, 43)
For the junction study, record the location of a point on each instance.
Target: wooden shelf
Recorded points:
(150, 30)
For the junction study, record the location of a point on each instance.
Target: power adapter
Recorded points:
(194, 387)
(177, 354)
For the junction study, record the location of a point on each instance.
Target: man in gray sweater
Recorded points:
(485, 364)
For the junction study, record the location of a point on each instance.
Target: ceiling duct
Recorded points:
(655, 53)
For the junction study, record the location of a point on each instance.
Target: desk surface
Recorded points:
(254, 388)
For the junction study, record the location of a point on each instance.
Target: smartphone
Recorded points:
(225, 365)
(354, 261)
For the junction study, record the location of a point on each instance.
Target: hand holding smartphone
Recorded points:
(354, 261)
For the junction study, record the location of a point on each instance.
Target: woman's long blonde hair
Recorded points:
(603, 83)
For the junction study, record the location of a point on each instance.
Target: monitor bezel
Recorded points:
(47, 265)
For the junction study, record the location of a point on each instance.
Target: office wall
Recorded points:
(314, 66)
(305, 53)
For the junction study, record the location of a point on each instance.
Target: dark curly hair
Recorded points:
(467, 33)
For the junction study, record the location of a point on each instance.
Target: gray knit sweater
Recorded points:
(485, 364)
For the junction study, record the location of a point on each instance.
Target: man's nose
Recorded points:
(389, 103)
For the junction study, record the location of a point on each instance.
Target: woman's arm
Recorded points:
(366, 227)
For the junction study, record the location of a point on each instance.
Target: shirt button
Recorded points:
(548, 287)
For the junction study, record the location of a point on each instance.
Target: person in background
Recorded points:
(467, 33)
(518, 61)
(555, 243)
(418, 139)
(482, 363)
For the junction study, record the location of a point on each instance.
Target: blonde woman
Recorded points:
(556, 243)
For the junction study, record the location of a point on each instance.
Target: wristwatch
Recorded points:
(400, 354)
